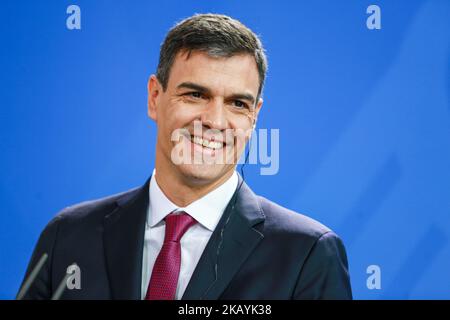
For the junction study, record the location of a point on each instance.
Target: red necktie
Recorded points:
(164, 279)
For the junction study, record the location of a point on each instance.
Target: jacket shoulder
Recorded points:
(281, 219)
(96, 208)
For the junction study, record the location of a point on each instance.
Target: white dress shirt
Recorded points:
(207, 211)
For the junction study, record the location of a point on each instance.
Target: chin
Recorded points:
(201, 173)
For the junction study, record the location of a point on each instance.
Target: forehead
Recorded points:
(222, 74)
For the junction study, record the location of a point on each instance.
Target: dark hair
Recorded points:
(217, 35)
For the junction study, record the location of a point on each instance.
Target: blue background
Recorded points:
(364, 119)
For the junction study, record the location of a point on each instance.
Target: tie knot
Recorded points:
(176, 225)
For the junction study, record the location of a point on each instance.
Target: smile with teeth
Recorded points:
(207, 143)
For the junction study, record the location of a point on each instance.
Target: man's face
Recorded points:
(205, 116)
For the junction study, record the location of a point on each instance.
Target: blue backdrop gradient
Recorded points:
(364, 119)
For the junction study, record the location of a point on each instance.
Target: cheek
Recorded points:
(241, 131)
(177, 114)
(241, 124)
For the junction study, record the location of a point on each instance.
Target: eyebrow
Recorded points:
(203, 89)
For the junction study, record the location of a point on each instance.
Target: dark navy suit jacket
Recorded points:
(266, 252)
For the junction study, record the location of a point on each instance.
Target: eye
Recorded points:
(194, 94)
(240, 105)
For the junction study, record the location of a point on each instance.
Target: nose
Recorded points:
(214, 116)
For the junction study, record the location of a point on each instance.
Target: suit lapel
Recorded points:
(238, 241)
(123, 238)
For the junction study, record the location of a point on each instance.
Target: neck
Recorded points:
(180, 189)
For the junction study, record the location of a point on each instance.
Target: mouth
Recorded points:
(206, 143)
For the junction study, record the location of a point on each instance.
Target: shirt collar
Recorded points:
(207, 210)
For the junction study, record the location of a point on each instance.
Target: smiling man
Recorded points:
(194, 230)
(215, 95)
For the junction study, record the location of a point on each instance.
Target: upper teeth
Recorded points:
(207, 143)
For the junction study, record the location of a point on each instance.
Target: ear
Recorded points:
(154, 93)
(257, 109)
